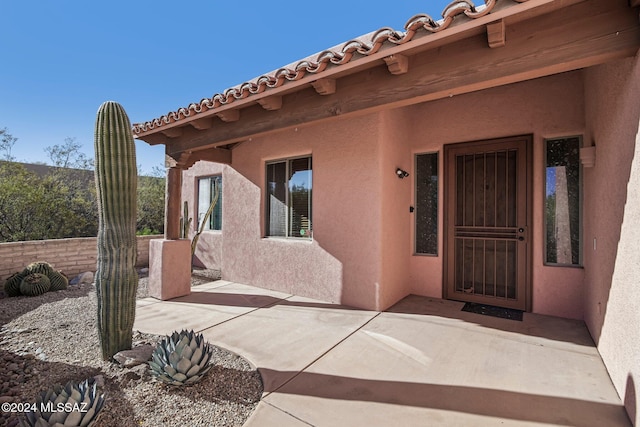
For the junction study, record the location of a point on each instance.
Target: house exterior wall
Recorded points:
(362, 252)
(343, 261)
(612, 221)
(546, 107)
(209, 249)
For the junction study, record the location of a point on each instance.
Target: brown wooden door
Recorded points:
(487, 220)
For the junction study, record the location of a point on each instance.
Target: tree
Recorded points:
(32, 208)
(7, 141)
(68, 155)
(71, 173)
(151, 190)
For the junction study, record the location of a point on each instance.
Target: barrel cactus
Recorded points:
(40, 267)
(71, 405)
(58, 281)
(116, 182)
(34, 284)
(181, 359)
(12, 284)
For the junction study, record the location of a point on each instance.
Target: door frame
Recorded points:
(448, 216)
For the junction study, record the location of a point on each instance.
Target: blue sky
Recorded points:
(61, 59)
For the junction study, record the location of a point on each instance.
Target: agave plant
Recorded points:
(34, 284)
(183, 358)
(71, 405)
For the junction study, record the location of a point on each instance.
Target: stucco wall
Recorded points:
(547, 107)
(71, 256)
(397, 244)
(209, 249)
(612, 220)
(342, 262)
(362, 251)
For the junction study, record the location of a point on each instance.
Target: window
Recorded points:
(208, 189)
(426, 212)
(288, 212)
(562, 201)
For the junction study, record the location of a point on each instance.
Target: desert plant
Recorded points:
(12, 284)
(116, 182)
(34, 284)
(183, 358)
(58, 281)
(71, 405)
(40, 267)
(185, 222)
(214, 202)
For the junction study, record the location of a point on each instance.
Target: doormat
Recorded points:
(490, 310)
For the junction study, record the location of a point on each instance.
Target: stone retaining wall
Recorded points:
(71, 256)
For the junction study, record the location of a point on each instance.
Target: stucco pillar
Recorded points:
(170, 258)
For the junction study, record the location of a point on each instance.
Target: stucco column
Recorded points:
(172, 206)
(170, 258)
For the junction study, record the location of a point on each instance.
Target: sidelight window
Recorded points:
(562, 213)
(426, 212)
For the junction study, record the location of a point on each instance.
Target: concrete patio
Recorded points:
(423, 362)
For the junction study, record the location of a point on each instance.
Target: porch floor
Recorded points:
(422, 362)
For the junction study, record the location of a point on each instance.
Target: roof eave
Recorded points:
(425, 41)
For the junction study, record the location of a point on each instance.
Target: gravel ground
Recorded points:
(52, 339)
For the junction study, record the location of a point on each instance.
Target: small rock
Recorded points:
(144, 270)
(85, 278)
(135, 356)
(6, 399)
(99, 380)
(130, 376)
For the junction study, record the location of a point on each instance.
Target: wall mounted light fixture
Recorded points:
(401, 173)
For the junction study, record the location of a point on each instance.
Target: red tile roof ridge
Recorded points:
(365, 45)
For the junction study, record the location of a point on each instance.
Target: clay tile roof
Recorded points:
(365, 45)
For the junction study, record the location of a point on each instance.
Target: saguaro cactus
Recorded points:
(116, 182)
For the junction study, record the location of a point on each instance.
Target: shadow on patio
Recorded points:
(423, 359)
(546, 409)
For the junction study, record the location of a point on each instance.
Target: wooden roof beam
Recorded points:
(173, 132)
(325, 86)
(397, 64)
(229, 115)
(202, 124)
(496, 34)
(271, 103)
(186, 159)
(154, 139)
